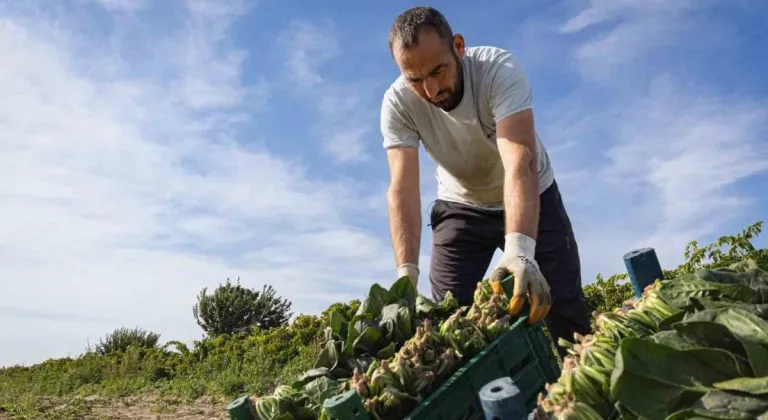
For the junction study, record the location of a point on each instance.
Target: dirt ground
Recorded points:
(134, 408)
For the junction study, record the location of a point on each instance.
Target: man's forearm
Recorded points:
(521, 199)
(405, 225)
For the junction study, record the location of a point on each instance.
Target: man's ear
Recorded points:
(458, 45)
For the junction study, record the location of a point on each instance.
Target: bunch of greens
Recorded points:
(396, 350)
(391, 388)
(695, 346)
(382, 325)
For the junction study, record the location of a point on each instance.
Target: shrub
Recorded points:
(121, 338)
(234, 308)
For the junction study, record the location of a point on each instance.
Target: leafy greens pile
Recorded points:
(394, 352)
(695, 346)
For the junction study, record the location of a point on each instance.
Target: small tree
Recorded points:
(234, 308)
(121, 338)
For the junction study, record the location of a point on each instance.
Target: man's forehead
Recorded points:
(422, 58)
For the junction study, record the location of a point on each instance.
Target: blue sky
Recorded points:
(152, 148)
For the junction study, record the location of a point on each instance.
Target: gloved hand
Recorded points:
(518, 260)
(410, 270)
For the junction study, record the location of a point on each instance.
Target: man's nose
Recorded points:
(431, 87)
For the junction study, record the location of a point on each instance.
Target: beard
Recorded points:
(456, 93)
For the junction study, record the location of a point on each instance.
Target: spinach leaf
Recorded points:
(754, 386)
(425, 307)
(674, 339)
(403, 289)
(713, 335)
(388, 321)
(405, 325)
(358, 324)
(387, 352)
(733, 404)
(750, 330)
(321, 389)
(753, 278)
(678, 293)
(377, 298)
(653, 380)
(760, 309)
(367, 342)
(338, 326)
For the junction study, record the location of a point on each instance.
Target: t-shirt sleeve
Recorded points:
(508, 88)
(396, 128)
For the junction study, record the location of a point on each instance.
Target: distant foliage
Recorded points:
(120, 339)
(234, 308)
(738, 247)
(605, 295)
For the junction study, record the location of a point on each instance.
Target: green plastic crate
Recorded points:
(522, 353)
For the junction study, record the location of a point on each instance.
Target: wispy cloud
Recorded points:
(347, 119)
(309, 46)
(622, 33)
(657, 157)
(120, 5)
(125, 192)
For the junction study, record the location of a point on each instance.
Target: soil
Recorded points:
(133, 408)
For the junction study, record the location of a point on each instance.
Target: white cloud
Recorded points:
(625, 32)
(663, 167)
(124, 193)
(346, 123)
(308, 47)
(121, 5)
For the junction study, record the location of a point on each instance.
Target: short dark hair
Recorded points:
(409, 24)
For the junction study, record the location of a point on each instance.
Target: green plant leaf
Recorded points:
(738, 321)
(760, 309)
(322, 388)
(733, 404)
(718, 335)
(425, 307)
(358, 324)
(367, 342)
(751, 276)
(388, 321)
(404, 325)
(404, 289)
(387, 352)
(653, 380)
(338, 326)
(677, 293)
(754, 386)
(377, 298)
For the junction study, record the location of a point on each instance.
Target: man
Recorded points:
(471, 108)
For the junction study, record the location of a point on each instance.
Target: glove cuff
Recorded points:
(519, 245)
(406, 269)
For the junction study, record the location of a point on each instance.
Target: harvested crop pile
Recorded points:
(396, 350)
(695, 346)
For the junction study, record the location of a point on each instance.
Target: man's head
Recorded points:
(428, 55)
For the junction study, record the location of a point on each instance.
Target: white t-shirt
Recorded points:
(463, 142)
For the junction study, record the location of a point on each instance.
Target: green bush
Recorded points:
(120, 339)
(234, 308)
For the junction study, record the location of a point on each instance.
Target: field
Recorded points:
(131, 375)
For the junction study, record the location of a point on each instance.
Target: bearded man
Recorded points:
(472, 109)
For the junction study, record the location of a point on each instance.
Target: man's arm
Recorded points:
(516, 140)
(404, 204)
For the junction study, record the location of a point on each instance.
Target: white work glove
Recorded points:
(518, 260)
(410, 270)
